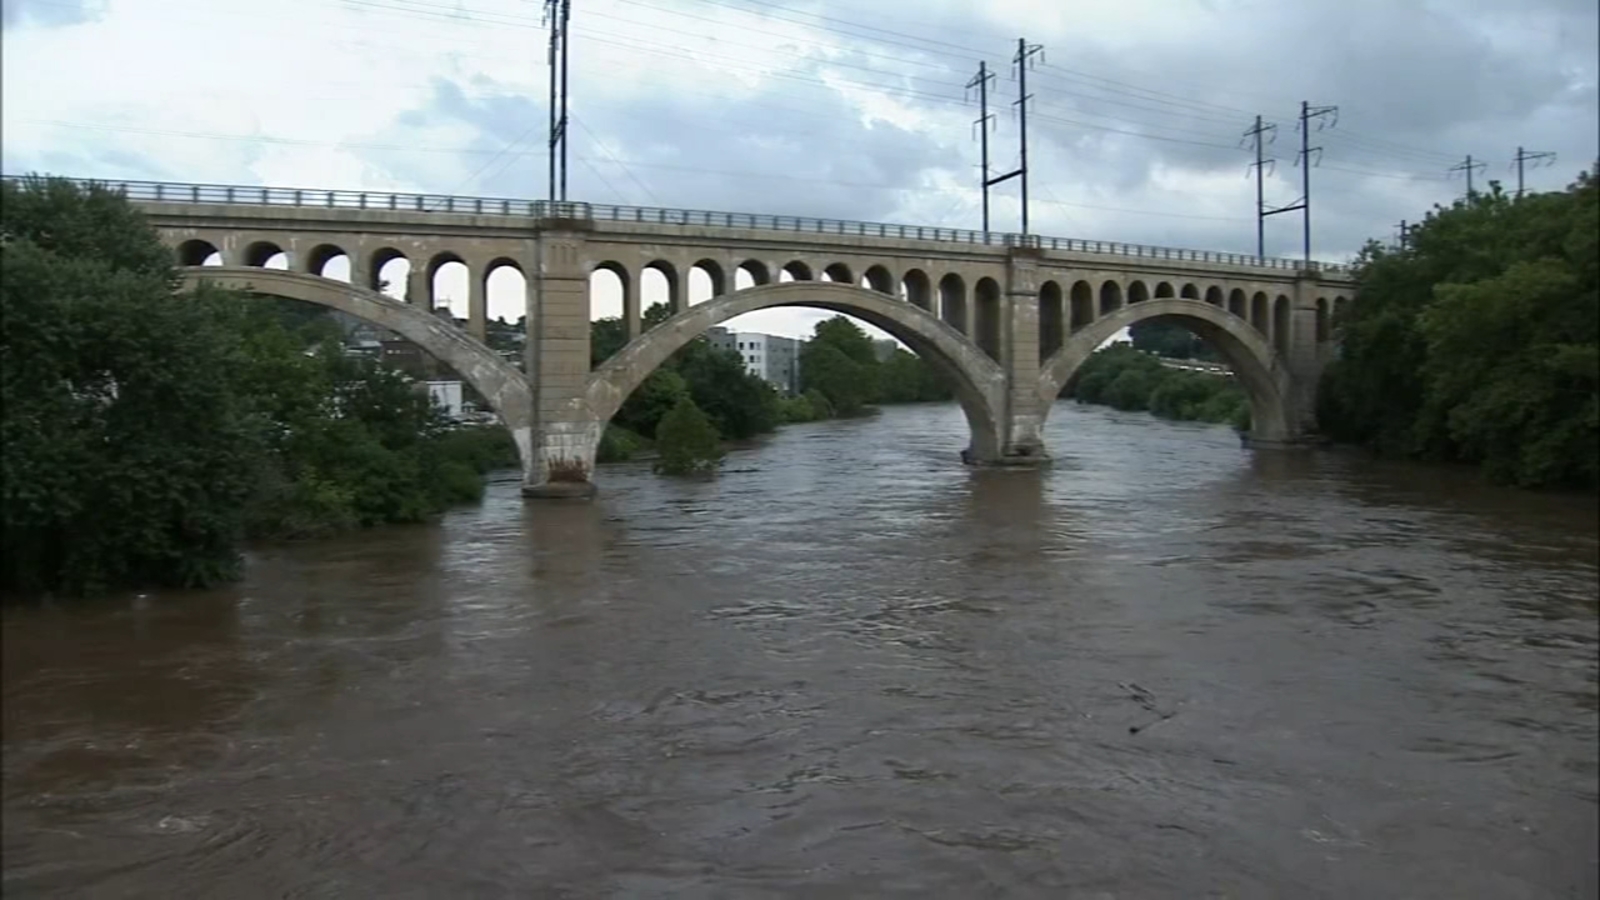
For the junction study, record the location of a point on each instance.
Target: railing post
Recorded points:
(297, 197)
(158, 190)
(230, 193)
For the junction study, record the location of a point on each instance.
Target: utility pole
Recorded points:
(556, 15)
(984, 122)
(1524, 156)
(1307, 113)
(1022, 61)
(1467, 166)
(1256, 134)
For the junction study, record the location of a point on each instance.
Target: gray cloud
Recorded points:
(1415, 84)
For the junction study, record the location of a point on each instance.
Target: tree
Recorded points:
(740, 405)
(606, 337)
(126, 457)
(845, 383)
(1478, 341)
(686, 441)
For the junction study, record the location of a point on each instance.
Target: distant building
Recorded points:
(447, 394)
(774, 358)
(885, 348)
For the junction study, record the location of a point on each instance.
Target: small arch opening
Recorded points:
(448, 284)
(953, 302)
(1052, 326)
(1110, 297)
(391, 272)
(1282, 324)
(917, 289)
(198, 253)
(750, 273)
(266, 255)
(1082, 306)
(877, 278)
(986, 313)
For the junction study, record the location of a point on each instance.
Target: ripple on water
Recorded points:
(848, 667)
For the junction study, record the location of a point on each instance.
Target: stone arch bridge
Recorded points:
(1007, 318)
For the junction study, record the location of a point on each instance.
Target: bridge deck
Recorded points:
(522, 216)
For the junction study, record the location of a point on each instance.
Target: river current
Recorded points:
(849, 667)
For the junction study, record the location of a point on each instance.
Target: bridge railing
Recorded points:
(253, 195)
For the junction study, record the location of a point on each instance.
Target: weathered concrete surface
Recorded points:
(1266, 378)
(506, 389)
(980, 383)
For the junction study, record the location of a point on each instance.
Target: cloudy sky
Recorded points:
(854, 110)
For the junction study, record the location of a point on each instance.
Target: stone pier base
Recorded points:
(559, 490)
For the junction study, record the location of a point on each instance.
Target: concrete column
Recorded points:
(1305, 361)
(565, 434)
(477, 302)
(632, 316)
(1022, 441)
(418, 291)
(360, 275)
(678, 289)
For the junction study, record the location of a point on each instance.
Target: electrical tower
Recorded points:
(1022, 61)
(1405, 234)
(1256, 134)
(1302, 159)
(1467, 166)
(984, 122)
(1525, 156)
(1307, 113)
(556, 15)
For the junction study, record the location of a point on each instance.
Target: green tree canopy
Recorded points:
(1477, 341)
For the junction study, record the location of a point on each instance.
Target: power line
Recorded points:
(1535, 157)
(1468, 166)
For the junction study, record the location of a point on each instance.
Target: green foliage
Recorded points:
(797, 409)
(143, 434)
(740, 405)
(1478, 341)
(124, 455)
(606, 337)
(652, 400)
(1127, 379)
(686, 441)
(1168, 338)
(618, 444)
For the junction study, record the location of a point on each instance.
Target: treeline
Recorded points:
(1127, 378)
(840, 375)
(144, 433)
(1476, 342)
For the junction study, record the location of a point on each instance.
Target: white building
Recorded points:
(771, 357)
(447, 394)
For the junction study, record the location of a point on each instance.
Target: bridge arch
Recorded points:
(502, 385)
(979, 381)
(195, 252)
(1257, 366)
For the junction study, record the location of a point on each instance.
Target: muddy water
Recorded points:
(849, 667)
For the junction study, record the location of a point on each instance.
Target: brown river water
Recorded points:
(849, 667)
